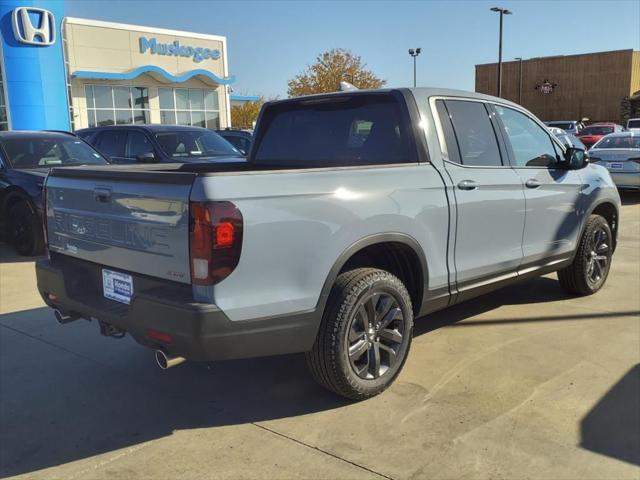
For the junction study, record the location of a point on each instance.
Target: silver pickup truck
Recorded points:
(355, 213)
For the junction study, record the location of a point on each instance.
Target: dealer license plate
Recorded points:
(117, 286)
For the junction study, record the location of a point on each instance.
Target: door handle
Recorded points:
(102, 195)
(532, 183)
(467, 185)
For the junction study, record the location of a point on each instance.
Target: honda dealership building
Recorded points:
(70, 73)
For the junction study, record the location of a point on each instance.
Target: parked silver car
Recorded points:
(355, 212)
(620, 154)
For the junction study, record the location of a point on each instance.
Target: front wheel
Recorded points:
(365, 335)
(25, 231)
(590, 268)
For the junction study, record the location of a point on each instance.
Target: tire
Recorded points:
(377, 353)
(25, 231)
(590, 268)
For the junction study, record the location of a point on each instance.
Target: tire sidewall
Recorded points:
(597, 223)
(22, 212)
(378, 282)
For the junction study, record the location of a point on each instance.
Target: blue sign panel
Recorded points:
(33, 64)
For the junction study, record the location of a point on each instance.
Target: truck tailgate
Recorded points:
(126, 219)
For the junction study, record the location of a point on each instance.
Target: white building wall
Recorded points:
(104, 47)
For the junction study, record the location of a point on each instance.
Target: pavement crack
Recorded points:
(299, 442)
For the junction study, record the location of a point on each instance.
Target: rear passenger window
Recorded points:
(137, 144)
(111, 142)
(84, 135)
(240, 143)
(474, 133)
(339, 131)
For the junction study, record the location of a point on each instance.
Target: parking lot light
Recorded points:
(414, 53)
(502, 11)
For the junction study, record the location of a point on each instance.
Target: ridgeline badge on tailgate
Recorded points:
(112, 231)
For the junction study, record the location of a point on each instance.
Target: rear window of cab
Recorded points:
(335, 131)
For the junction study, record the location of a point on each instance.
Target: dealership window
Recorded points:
(4, 122)
(189, 106)
(116, 105)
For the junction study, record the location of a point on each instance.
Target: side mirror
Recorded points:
(576, 158)
(146, 157)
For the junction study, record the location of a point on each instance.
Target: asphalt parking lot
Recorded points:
(523, 383)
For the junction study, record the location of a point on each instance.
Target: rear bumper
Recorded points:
(626, 179)
(199, 331)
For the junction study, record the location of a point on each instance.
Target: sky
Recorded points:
(269, 42)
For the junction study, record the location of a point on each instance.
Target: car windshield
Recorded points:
(195, 144)
(49, 151)
(562, 125)
(622, 141)
(573, 141)
(634, 124)
(596, 130)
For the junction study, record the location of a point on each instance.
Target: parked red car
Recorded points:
(594, 132)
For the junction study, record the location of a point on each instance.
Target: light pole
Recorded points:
(520, 81)
(414, 54)
(502, 11)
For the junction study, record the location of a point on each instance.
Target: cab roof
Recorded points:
(11, 134)
(418, 93)
(151, 127)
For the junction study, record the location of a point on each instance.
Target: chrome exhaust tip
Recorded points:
(62, 318)
(165, 361)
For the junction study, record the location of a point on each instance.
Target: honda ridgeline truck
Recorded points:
(355, 213)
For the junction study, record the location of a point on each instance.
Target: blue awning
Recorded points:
(244, 98)
(158, 73)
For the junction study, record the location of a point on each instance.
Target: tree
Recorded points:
(330, 69)
(243, 115)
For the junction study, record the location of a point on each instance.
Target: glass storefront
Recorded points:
(116, 105)
(189, 106)
(4, 121)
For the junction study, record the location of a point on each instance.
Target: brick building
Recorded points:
(603, 86)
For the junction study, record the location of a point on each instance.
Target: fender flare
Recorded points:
(590, 211)
(364, 242)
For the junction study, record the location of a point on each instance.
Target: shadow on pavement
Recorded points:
(68, 394)
(537, 290)
(612, 427)
(9, 255)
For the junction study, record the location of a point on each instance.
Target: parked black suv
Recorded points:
(241, 139)
(25, 160)
(159, 143)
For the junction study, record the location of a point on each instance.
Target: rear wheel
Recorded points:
(24, 230)
(365, 335)
(590, 268)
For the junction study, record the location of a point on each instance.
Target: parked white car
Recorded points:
(633, 124)
(620, 154)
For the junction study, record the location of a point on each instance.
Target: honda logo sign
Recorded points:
(34, 26)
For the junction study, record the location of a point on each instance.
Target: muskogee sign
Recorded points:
(175, 49)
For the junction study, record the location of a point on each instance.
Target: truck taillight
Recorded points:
(215, 241)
